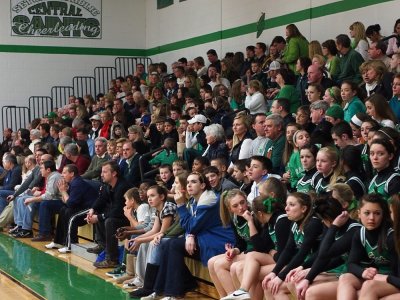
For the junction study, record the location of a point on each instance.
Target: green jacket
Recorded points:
(354, 106)
(292, 94)
(349, 67)
(164, 158)
(273, 151)
(295, 168)
(296, 47)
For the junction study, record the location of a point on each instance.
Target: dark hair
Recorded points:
(160, 190)
(113, 166)
(203, 160)
(341, 128)
(386, 220)
(372, 28)
(166, 166)
(288, 76)
(133, 193)
(331, 46)
(304, 200)
(353, 86)
(199, 60)
(293, 31)
(284, 103)
(203, 179)
(72, 168)
(382, 108)
(395, 204)
(305, 62)
(45, 127)
(49, 164)
(351, 157)
(343, 40)
(211, 169)
(385, 143)
(312, 148)
(212, 52)
(381, 46)
(395, 25)
(241, 164)
(327, 208)
(265, 161)
(262, 46)
(278, 40)
(250, 48)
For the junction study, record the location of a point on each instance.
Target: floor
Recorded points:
(51, 275)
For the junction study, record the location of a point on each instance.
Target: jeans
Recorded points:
(174, 278)
(155, 252)
(3, 198)
(47, 209)
(23, 214)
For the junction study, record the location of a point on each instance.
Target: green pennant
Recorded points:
(260, 24)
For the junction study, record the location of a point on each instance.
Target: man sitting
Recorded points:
(77, 196)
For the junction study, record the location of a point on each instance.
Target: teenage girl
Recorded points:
(394, 137)
(387, 286)
(379, 110)
(329, 169)
(372, 250)
(344, 194)
(386, 182)
(332, 254)
(353, 171)
(270, 212)
(303, 240)
(234, 209)
(366, 126)
(352, 103)
(308, 158)
(294, 168)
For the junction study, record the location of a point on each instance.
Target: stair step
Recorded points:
(80, 250)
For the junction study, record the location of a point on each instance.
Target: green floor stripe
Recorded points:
(50, 277)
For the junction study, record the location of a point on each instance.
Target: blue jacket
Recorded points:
(202, 219)
(12, 178)
(81, 194)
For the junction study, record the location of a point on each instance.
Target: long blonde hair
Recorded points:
(337, 170)
(246, 121)
(224, 211)
(359, 30)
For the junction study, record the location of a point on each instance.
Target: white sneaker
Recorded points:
(53, 245)
(238, 294)
(151, 297)
(64, 250)
(134, 283)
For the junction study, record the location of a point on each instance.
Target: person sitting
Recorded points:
(48, 202)
(281, 106)
(274, 130)
(107, 214)
(100, 157)
(349, 62)
(12, 178)
(77, 196)
(217, 182)
(82, 162)
(195, 138)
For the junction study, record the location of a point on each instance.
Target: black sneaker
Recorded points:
(96, 250)
(23, 234)
(14, 230)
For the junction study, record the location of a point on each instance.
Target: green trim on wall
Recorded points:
(72, 50)
(302, 15)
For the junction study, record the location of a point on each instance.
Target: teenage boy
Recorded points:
(258, 173)
(195, 141)
(217, 182)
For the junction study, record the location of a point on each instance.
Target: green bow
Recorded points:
(268, 203)
(353, 204)
(365, 157)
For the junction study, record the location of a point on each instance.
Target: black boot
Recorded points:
(149, 281)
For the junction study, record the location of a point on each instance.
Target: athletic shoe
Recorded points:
(64, 250)
(118, 271)
(123, 278)
(134, 283)
(14, 230)
(53, 245)
(96, 250)
(151, 297)
(238, 294)
(23, 234)
(107, 263)
(42, 238)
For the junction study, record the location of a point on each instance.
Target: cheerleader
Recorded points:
(372, 250)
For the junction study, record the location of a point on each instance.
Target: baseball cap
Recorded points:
(198, 119)
(95, 117)
(275, 65)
